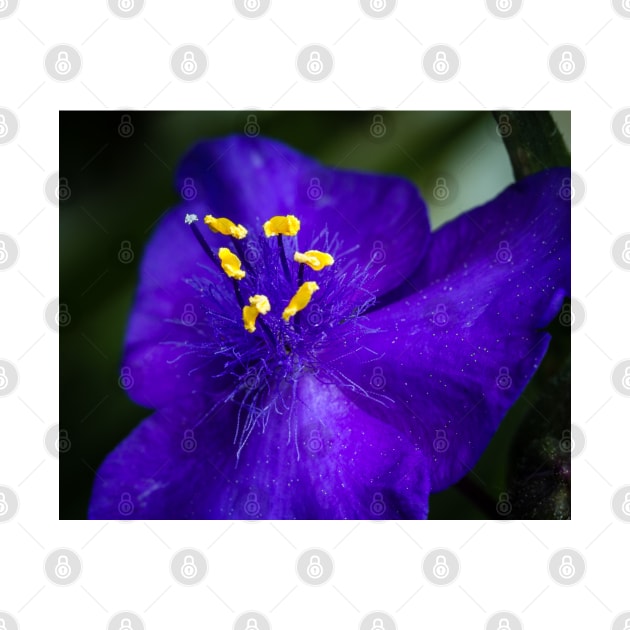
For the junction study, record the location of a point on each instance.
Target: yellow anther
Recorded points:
(314, 259)
(300, 300)
(286, 226)
(225, 227)
(258, 305)
(231, 264)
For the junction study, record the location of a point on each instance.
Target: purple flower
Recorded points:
(382, 382)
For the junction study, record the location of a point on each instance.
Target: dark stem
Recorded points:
(283, 258)
(300, 275)
(206, 248)
(241, 254)
(532, 140)
(267, 331)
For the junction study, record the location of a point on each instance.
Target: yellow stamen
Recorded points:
(300, 300)
(225, 227)
(286, 226)
(231, 264)
(258, 305)
(314, 259)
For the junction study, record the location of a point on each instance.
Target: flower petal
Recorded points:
(250, 180)
(167, 320)
(346, 465)
(456, 355)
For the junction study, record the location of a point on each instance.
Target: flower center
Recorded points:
(232, 265)
(275, 323)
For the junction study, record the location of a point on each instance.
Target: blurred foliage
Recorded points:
(120, 185)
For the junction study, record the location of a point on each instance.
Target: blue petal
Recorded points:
(454, 356)
(167, 322)
(344, 464)
(251, 179)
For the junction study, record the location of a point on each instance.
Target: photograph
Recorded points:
(315, 315)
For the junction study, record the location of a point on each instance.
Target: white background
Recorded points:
(252, 64)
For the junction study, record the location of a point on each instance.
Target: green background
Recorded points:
(121, 184)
